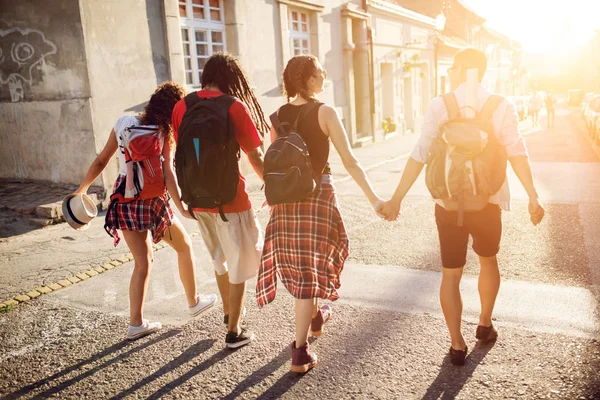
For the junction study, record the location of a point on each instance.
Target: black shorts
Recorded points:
(484, 226)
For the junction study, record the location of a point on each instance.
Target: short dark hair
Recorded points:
(469, 58)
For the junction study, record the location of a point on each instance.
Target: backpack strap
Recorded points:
(304, 111)
(490, 106)
(451, 105)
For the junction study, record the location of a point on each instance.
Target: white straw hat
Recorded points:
(79, 210)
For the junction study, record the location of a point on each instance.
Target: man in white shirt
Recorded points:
(485, 226)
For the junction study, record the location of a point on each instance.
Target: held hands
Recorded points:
(536, 211)
(388, 210)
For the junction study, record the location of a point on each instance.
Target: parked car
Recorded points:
(592, 117)
(521, 105)
(585, 105)
(575, 97)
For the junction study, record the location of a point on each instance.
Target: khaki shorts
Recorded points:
(235, 246)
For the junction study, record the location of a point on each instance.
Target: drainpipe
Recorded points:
(371, 72)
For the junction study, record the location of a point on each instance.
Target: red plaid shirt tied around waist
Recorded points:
(154, 215)
(306, 245)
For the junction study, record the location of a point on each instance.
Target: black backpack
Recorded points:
(207, 153)
(288, 172)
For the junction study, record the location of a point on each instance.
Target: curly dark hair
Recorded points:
(296, 74)
(224, 71)
(159, 109)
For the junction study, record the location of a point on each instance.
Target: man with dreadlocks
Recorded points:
(236, 245)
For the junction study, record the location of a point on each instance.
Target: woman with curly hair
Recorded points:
(144, 222)
(306, 243)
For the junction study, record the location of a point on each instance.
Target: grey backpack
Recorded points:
(466, 163)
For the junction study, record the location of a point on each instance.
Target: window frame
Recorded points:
(299, 34)
(193, 26)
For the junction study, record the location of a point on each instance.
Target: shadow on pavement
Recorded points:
(58, 387)
(277, 389)
(184, 358)
(217, 357)
(451, 379)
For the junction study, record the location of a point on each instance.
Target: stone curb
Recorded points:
(9, 305)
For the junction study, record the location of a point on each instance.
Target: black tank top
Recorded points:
(309, 129)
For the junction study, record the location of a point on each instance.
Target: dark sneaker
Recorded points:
(226, 316)
(486, 333)
(234, 340)
(316, 325)
(457, 357)
(302, 360)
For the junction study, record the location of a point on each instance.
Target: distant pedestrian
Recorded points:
(535, 104)
(306, 243)
(146, 221)
(227, 112)
(487, 159)
(550, 103)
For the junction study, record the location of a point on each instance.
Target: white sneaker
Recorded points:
(146, 328)
(205, 303)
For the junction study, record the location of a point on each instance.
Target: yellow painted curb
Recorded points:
(99, 270)
(82, 276)
(11, 302)
(43, 289)
(22, 298)
(34, 294)
(73, 279)
(116, 263)
(91, 273)
(64, 283)
(55, 286)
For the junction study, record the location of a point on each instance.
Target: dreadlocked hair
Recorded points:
(224, 71)
(159, 109)
(296, 74)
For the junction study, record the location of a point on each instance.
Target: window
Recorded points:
(202, 35)
(299, 32)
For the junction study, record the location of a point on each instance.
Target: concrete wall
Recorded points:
(127, 58)
(45, 116)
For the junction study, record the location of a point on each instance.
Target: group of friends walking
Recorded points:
(305, 244)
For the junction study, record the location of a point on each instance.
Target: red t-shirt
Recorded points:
(247, 137)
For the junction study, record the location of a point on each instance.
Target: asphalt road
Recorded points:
(387, 339)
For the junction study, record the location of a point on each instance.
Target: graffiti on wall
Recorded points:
(21, 51)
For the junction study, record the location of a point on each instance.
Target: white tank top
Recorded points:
(123, 122)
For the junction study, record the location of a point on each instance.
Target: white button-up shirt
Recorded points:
(504, 121)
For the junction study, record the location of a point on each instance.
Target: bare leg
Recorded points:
(141, 248)
(237, 295)
(489, 284)
(180, 241)
(223, 284)
(451, 302)
(304, 311)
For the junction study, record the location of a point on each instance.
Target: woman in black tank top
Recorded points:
(306, 243)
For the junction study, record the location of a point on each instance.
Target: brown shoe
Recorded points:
(324, 314)
(302, 359)
(486, 333)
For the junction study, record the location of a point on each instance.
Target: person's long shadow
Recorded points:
(451, 379)
(76, 367)
(217, 357)
(279, 388)
(184, 358)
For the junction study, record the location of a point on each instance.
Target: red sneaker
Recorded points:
(324, 314)
(302, 359)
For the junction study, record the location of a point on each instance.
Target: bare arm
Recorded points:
(335, 130)
(171, 180)
(100, 163)
(522, 168)
(257, 160)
